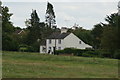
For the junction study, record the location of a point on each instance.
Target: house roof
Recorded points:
(58, 35)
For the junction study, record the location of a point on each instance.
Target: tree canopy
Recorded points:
(50, 16)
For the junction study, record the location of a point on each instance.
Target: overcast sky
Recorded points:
(84, 13)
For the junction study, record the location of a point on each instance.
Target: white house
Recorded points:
(62, 40)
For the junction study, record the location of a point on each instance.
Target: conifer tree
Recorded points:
(50, 16)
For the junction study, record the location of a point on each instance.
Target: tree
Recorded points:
(39, 31)
(112, 19)
(97, 34)
(110, 40)
(7, 26)
(50, 16)
(34, 28)
(8, 42)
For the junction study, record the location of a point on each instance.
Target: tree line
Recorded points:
(33, 35)
(104, 36)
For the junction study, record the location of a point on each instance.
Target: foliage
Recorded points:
(117, 54)
(7, 26)
(39, 31)
(34, 30)
(8, 41)
(110, 37)
(97, 34)
(106, 36)
(50, 16)
(76, 52)
(91, 54)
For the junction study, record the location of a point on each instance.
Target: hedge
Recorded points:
(76, 52)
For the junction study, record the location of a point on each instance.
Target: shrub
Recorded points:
(69, 50)
(57, 52)
(90, 54)
(23, 49)
(75, 52)
(105, 54)
(26, 48)
(117, 54)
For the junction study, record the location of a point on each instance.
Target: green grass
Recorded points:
(35, 65)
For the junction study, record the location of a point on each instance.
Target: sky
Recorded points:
(86, 13)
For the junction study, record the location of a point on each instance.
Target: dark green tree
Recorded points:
(110, 40)
(34, 28)
(112, 28)
(34, 31)
(8, 42)
(97, 34)
(50, 16)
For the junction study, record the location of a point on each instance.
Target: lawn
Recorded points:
(35, 65)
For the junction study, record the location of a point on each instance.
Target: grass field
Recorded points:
(35, 65)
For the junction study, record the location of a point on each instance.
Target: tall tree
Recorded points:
(50, 16)
(8, 43)
(110, 38)
(34, 28)
(6, 24)
(34, 31)
(97, 34)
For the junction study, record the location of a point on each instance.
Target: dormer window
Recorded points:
(79, 42)
(59, 41)
(50, 41)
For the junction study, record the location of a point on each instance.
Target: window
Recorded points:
(79, 42)
(50, 41)
(59, 48)
(59, 41)
(43, 48)
(49, 48)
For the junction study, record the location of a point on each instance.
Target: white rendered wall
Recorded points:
(53, 42)
(72, 41)
(41, 49)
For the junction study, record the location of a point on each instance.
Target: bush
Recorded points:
(9, 44)
(23, 49)
(69, 50)
(75, 52)
(30, 49)
(57, 52)
(90, 54)
(117, 54)
(26, 48)
(105, 54)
